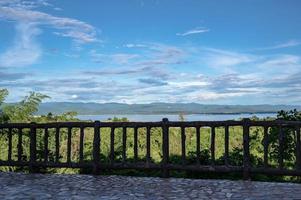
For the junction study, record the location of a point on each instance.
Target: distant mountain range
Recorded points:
(157, 108)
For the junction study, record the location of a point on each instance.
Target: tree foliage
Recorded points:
(289, 137)
(22, 111)
(3, 94)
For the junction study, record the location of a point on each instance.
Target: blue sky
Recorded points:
(138, 51)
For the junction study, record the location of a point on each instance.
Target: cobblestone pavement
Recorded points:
(55, 186)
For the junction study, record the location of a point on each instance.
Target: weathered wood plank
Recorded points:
(69, 136)
(46, 135)
(136, 144)
(33, 146)
(112, 154)
(124, 136)
(246, 149)
(152, 124)
(57, 144)
(226, 145)
(212, 146)
(183, 144)
(20, 148)
(96, 147)
(9, 152)
(81, 144)
(298, 148)
(198, 145)
(165, 147)
(280, 140)
(265, 146)
(148, 144)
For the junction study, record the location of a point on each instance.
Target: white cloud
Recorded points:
(154, 59)
(58, 9)
(29, 23)
(25, 4)
(25, 51)
(156, 76)
(74, 96)
(225, 60)
(118, 58)
(130, 45)
(282, 60)
(209, 96)
(290, 43)
(77, 30)
(194, 31)
(78, 36)
(187, 84)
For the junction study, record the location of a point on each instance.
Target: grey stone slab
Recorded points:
(59, 186)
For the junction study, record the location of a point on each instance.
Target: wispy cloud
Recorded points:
(12, 76)
(117, 58)
(160, 73)
(277, 63)
(25, 50)
(131, 45)
(144, 70)
(154, 61)
(225, 60)
(77, 30)
(58, 9)
(211, 96)
(287, 44)
(197, 30)
(27, 4)
(29, 24)
(152, 81)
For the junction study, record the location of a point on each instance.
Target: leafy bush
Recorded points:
(289, 138)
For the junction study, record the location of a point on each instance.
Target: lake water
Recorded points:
(192, 117)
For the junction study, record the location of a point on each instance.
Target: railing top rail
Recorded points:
(236, 123)
(153, 124)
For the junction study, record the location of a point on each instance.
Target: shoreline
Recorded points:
(243, 113)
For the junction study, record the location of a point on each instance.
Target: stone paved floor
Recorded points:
(54, 186)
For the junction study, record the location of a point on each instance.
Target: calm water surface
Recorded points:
(193, 117)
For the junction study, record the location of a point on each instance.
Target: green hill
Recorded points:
(157, 108)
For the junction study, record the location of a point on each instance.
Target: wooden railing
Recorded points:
(165, 165)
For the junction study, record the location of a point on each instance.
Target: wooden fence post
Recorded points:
(57, 144)
(81, 144)
(69, 137)
(20, 148)
(135, 143)
(226, 145)
(298, 149)
(148, 145)
(281, 148)
(33, 148)
(165, 148)
(96, 148)
(112, 141)
(246, 148)
(9, 155)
